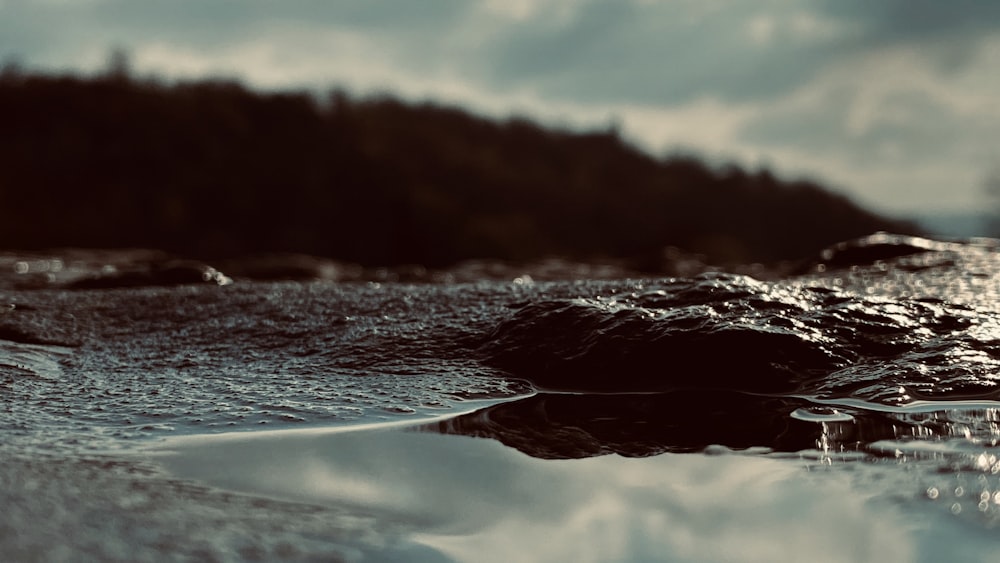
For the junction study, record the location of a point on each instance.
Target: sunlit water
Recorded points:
(847, 412)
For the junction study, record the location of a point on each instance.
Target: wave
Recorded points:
(885, 330)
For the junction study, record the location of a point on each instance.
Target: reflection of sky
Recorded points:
(896, 101)
(476, 500)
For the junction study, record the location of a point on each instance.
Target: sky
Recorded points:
(895, 103)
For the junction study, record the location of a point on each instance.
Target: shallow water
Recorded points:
(858, 396)
(489, 503)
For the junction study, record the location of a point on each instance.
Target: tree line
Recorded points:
(211, 168)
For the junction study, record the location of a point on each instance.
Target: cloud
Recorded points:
(894, 21)
(887, 124)
(949, 31)
(591, 51)
(661, 52)
(891, 99)
(47, 31)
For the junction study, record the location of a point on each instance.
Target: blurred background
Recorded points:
(386, 133)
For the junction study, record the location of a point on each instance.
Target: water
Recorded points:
(514, 415)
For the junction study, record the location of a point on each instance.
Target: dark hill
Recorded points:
(213, 169)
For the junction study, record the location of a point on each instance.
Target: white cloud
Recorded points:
(883, 76)
(705, 123)
(808, 26)
(890, 126)
(762, 29)
(525, 10)
(768, 28)
(316, 59)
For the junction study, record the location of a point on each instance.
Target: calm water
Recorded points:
(848, 411)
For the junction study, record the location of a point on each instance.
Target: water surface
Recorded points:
(697, 418)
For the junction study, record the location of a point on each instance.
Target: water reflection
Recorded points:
(787, 478)
(552, 425)
(477, 500)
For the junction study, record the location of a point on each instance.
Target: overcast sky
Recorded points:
(894, 102)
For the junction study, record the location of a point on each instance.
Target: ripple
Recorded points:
(821, 414)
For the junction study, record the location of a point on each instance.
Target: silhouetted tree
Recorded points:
(211, 168)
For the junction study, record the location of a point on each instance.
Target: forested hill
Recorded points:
(212, 168)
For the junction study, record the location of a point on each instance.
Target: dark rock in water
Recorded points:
(555, 426)
(580, 346)
(869, 250)
(721, 332)
(171, 272)
(179, 272)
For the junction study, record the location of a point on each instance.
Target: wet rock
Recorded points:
(879, 247)
(168, 273)
(719, 332)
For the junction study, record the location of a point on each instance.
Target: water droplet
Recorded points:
(956, 508)
(959, 491)
(982, 461)
(821, 414)
(932, 493)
